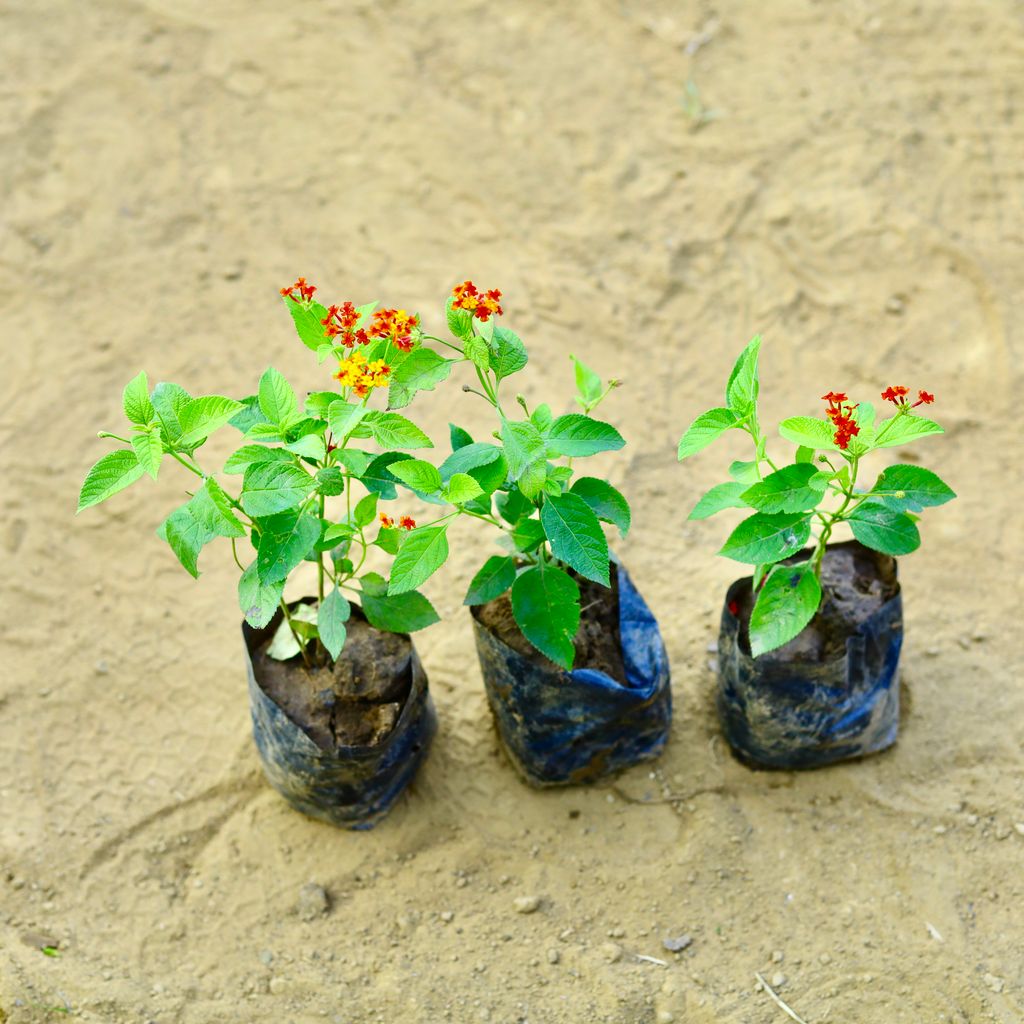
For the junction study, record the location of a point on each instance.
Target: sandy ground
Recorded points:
(167, 164)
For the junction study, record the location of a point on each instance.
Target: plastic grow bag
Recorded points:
(350, 786)
(561, 728)
(806, 715)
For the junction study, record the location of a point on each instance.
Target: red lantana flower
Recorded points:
(386, 521)
(339, 323)
(407, 523)
(842, 418)
(483, 305)
(300, 286)
(895, 394)
(923, 398)
(395, 324)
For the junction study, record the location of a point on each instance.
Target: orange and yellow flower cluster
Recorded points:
(897, 394)
(405, 522)
(300, 286)
(356, 372)
(483, 305)
(842, 418)
(340, 323)
(395, 324)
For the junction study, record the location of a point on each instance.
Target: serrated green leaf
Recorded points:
(542, 418)
(391, 430)
(796, 488)
(744, 472)
(330, 481)
(704, 429)
(419, 475)
(272, 487)
(809, 432)
(149, 448)
(307, 320)
(469, 457)
(168, 401)
(576, 537)
(400, 613)
(423, 370)
(189, 528)
(577, 435)
(785, 604)
(459, 438)
(604, 500)
(357, 462)
(135, 399)
(534, 479)
(422, 553)
(546, 607)
(202, 416)
(309, 446)
(763, 538)
(284, 542)
(508, 355)
(460, 321)
(588, 384)
(491, 475)
(478, 352)
(112, 473)
(720, 496)
(277, 399)
(742, 389)
(523, 443)
(251, 454)
(333, 613)
(249, 415)
(264, 432)
(377, 476)
(910, 488)
(512, 506)
(903, 429)
(365, 511)
(462, 488)
(882, 529)
(496, 575)
(803, 454)
(258, 601)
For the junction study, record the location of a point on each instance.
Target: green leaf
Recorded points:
(882, 529)
(496, 575)
(704, 429)
(423, 552)
(249, 415)
(576, 536)
(460, 321)
(251, 454)
(903, 429)
(512, 506)
(809, 432)
(485, 328)
(330, 481)
(542, 418)
(391, 430)
(169, 400)
(330, 621)
(534, 479)
(400, 613)
(277, 400)
(478, 352)
(469, 457)
(417, 474)
(358, 462)
(796, 488)
(462, 488)
(135, 398)
(113, 472)
(202, 416)
(423, 370)
(149, 447)
(272, 487)
(588, 384)
(605, 501)
(804, 454)
(309, 446)
(523, 443)
(546, 607)
(307, 322)
(767, 538)
(719, 497)
(785, 604)
(263, 432)
(576, 434)
(911, 488)
(285, 540)
(377, 476)
(259, 601)
(744, 472)
(389, 539)
(459, 438)
(365, 511)
(490, 476)
(191, 527)
(528, 535)
(508, 355)
(741, 392)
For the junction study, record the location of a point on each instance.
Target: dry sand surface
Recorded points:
(167, 164)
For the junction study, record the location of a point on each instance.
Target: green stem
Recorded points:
(298, 639)
(834, 518)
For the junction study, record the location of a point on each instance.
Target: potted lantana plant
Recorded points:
(341, 712)
(573, 662)
(810, 643)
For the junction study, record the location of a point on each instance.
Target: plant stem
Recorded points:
(834, 518)
(298, 639)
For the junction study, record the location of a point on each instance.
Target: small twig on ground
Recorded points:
(778, 1002)
(650, 959)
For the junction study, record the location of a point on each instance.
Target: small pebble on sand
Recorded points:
(526, 904)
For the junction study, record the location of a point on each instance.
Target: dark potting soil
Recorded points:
(855, 583)
(597, 642)
(354, 702)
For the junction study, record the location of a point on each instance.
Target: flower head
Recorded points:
(407, 523)
(300, 286)
(395, 324)
(355, 372)
(923, 398)
(842, 419)
(483, 305)
(340, 323)
(895, 394)
(386, 521)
